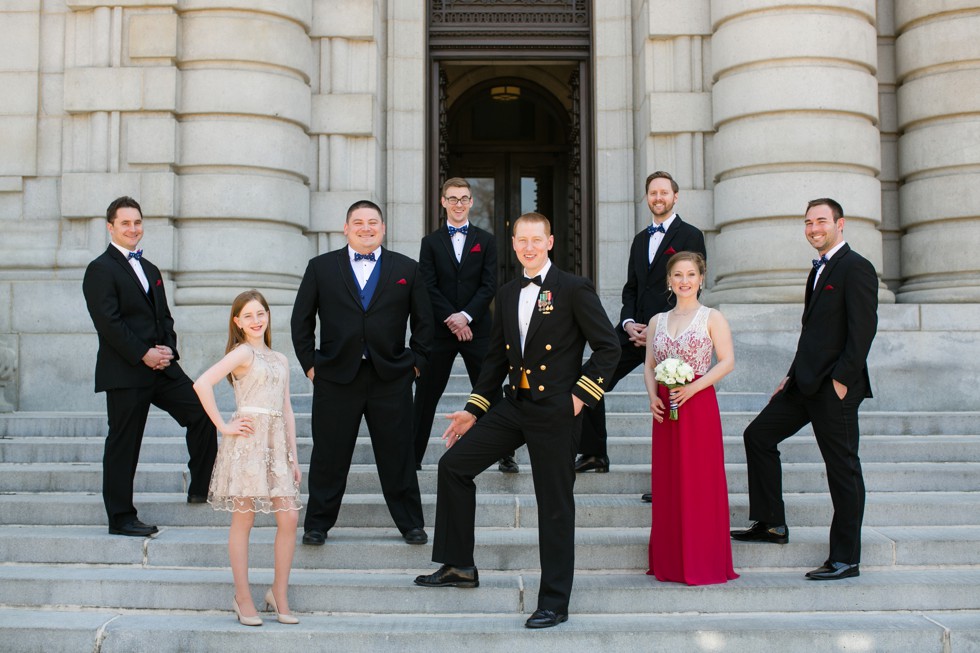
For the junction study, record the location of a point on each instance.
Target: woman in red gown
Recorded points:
(689, 539)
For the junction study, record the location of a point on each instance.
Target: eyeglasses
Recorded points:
(462, 201)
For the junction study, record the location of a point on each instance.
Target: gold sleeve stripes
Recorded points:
(480, 402)
(591, 387)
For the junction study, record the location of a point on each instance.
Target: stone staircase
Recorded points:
(66, 585)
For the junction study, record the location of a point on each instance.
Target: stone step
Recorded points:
(108, 631)
(500, 592)
(622, 479)
(637, 424)
(622, 450)
(897, 509)
(596, 549)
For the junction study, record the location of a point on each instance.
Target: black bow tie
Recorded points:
(138, 254)
(654, 228)
(463, 230)
(529, 280)
(817, 262)
(363, 257)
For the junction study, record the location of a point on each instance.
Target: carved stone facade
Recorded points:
(246, 127)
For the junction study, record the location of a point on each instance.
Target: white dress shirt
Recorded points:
(658, 238)
(137, 267)
(829, 256)
(363, 268)
(528, 298)
(459, 239)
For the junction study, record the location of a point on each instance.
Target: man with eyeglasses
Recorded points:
(458, 263)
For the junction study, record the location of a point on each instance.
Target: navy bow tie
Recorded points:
(817, 262)
(525, 281)
(363, 257)
(138, 254)
(463, 230)
(654, 228)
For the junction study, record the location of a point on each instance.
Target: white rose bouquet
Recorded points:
(673, 373)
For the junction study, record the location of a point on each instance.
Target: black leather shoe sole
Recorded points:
(138, 529)
(826, 573)
(646, 497)
(508, 466)
(415, 536)
(592, 464)
(197, 498)
(757, 534)
(449, 577)
(314, 538)
(545, 619)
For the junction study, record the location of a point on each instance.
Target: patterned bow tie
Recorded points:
(363, 257)
(138, 254)
(817, 262)
(654, 228)
(525, 281)
(465, 229)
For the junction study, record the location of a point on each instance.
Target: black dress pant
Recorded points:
(594, 434)
(835, 426)
(431, 385)
(127, 410)
(337, 412)
(550, 430)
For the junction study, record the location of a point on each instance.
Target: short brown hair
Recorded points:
(532, 218)
(124, 202)
(364, 204)
(455, 182)
(835, 208)
(660, 174)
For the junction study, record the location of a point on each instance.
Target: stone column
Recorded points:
(937, 54)
(244, 154)
(795, 105)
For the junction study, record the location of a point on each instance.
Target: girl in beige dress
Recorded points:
(257, 469)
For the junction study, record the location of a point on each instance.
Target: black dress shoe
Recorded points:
(545, 619)
(415, 536)
(760, 531)
(135, 528)
(646, 497)
(315, 537)
(448, 576)
(834, 571)
(197, 498)
(589, 463)
(508, 465)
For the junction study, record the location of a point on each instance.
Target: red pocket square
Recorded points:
(671, 251)
(401, 282)
(828, 287)
(159, 282)
(476, 248)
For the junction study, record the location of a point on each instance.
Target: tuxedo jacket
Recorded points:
(465, 285)
(840, 319)
(128, 320)
(329, 291)
(645, 293)
(567, 314)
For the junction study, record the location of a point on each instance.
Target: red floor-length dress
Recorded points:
(689, 538)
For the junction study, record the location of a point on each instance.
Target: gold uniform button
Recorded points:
(544, 367)
(508, 346)
(547, 347)
(513, 388)
(511, 367)
(540, 388)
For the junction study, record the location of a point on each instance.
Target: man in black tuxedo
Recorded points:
(644, 295)
(459, 266)
(825, 384)
(540, 327)
(364, 295)
(137, 366)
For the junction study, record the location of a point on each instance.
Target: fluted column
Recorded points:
(244, 152)
(937, 55)
(795, 106)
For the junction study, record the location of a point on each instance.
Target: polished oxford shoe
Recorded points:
(135, 528)
(415, 536)
(315, 537)
(834, 571)
(589, 463)
(197, 498)
(508, 465)
(448, 576)
(646, 497)
(762, 532)
(545, 619)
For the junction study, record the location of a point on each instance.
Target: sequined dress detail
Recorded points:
(254, 473)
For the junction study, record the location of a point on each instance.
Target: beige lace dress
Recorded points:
(254, 473)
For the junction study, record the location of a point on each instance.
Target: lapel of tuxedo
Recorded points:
(467, 244)
(510, 300)
(447, 243)
(549, 284)
(671, 233)
(117, 256)
(384, 274)
(813, 294)
(347, 274)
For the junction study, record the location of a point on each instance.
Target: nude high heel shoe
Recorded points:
(270, 602)
(243, 620)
